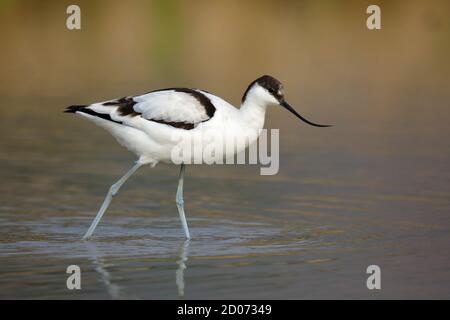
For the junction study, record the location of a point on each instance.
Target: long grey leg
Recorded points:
(111, 193)
(180, 202)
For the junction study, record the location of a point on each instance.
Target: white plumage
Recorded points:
(170, 106)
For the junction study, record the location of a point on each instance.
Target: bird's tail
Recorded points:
(73, 109)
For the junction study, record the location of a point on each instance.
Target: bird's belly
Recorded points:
(207, 144)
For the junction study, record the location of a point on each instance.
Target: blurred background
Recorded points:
(373, 189)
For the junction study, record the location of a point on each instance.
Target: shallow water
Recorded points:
(308, 232)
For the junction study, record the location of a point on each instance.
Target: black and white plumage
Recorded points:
(146, 124)
(162, 106)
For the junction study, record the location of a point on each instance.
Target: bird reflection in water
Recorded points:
(179, 274)
(115, 291)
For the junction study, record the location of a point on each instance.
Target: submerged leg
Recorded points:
(111, 193)
(180, 202)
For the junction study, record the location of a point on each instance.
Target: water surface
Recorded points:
(308, 232)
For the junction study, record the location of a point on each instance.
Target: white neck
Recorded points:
(253, 112)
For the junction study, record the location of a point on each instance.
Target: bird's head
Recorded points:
(268, 91)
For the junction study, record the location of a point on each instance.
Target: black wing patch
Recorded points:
(125, 106)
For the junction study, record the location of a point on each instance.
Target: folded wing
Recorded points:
(177, 107)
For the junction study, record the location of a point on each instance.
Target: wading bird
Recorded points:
(145, 124)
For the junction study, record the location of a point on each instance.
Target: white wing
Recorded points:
(171, 106)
